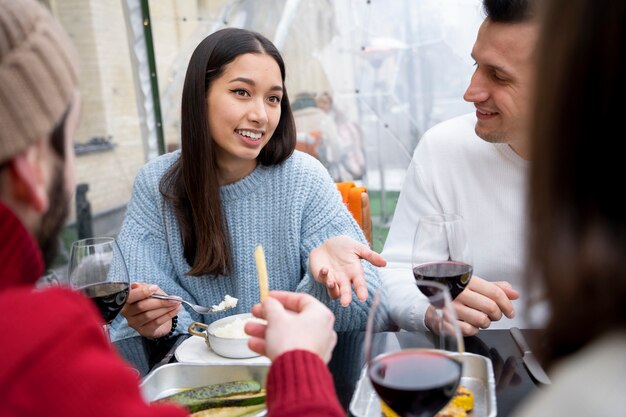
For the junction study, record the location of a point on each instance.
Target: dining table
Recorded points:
(512, 381)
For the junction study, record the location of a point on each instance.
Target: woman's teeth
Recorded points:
(251, 135)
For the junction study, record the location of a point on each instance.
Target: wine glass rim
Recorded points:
(94, 241)
(449, 353)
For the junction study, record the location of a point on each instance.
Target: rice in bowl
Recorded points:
(234, 328)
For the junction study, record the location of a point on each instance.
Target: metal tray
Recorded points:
(477, 376)
(169, 379)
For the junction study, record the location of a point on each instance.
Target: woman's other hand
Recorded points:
(336, 264)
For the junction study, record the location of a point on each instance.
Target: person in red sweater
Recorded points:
(55, 358)
(299, 339)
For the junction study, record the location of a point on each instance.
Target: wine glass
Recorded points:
(97, 269)
(417, 373)
(441, 252)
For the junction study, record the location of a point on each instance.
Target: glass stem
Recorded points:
(107, 332)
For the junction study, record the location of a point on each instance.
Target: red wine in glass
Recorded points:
(415, 382)
(109, 297)
(454, 275)
(98, 270)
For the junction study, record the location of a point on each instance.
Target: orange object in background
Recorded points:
(309, 143)
(358, 203)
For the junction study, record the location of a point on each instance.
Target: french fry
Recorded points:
(261, 269)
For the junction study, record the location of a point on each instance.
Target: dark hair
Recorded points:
(191, 184)
(577, 241)
(57, 137)
(509, 11)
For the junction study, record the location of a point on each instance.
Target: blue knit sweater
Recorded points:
(289, 208)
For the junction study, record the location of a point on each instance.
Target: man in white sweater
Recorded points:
(475, 165)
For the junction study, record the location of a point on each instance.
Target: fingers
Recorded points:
(255, 329)
(343, 288)
(369, 255)
(488, 298)
(153, 324)
(360, 288)
(149, 316)
(504, 301)
(467, 329)
(293, 301)
(346, 294)
(273, 309)
(471, 309)
(257, 311)
(154, 317)
(331, 286)
(510, 292)
(257, 345)
(140, 291)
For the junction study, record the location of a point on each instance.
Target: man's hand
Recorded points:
(294, 321)
(481, 303)
(336, 264)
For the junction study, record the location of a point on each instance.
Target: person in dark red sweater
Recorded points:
(56, 360)
(299, 339)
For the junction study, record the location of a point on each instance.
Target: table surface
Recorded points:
(513, 382)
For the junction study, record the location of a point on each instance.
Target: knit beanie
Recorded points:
(38, 74)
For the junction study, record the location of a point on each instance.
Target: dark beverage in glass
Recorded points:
(454, 275)
(98, 270)
(109, 297)
(415, 382)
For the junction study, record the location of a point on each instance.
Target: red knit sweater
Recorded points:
(300, 385)
(56, 361)
(54, 357)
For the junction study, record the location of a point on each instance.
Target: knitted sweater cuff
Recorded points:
(297, 379)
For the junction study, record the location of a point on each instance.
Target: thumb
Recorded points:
(369, 255)
(272, 308)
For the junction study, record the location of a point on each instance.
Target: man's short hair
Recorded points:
(509, 11)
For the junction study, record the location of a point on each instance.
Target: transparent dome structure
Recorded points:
(366, 78)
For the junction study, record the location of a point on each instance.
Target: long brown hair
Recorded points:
(577, 245)
(191, 184)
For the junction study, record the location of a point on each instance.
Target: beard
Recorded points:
(53, 220)
(493, 136)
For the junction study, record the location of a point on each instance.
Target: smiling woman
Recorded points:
(197, 215)
(245, 104)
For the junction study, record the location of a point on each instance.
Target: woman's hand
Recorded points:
(294, 321)
(336, 264)
(150, 317)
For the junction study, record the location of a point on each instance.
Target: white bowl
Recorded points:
(236, 348)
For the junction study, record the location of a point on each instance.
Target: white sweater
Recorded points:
(455, 171)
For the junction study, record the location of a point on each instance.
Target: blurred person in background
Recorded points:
(55, 358)
(197, 215)
(475, 166)
(351, 163)
(317, 133)
(577, 239)
(309, 121)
